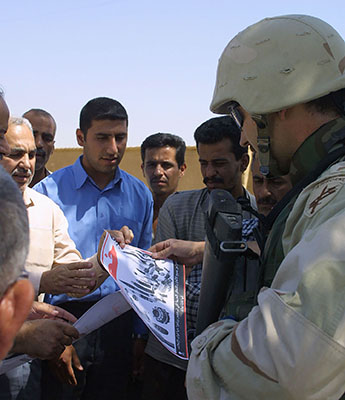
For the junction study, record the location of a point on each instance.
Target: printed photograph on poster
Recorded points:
(154, 288)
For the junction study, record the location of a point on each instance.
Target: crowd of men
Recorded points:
(280, 333)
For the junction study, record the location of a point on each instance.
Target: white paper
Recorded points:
(154, 288)
(105, 310)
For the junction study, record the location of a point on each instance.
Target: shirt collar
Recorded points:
(28, 200)
(80, 176)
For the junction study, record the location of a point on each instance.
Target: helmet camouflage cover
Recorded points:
(279, 62)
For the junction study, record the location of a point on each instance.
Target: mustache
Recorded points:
(266, 201)
(216, 179)
(26, 172)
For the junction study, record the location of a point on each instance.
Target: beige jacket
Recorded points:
(295, 337)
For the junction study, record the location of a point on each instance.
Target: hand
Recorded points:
(183, 251)
(41, 310)
(123, 236)
(75, 278)
(62, 367)
(44, 338)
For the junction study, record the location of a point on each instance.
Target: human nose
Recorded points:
(210, 170)
(158, 171)
(38, 141)
(25, 162)
(243, 139)
(266, 190)
(112, 148)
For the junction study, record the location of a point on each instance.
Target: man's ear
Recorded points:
(142, 168)
(15, 306)
(182, 169)
(244, 162)
(282, 114)
(80, 137)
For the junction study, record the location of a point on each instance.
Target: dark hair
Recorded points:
(216, 129)
(331, 103)
(165, 139)
(101, 108)
(41, 112)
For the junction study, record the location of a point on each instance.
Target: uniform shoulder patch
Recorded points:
(323, 193)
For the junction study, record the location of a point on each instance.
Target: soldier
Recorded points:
(283, 81)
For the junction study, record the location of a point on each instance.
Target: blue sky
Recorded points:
(158, 58)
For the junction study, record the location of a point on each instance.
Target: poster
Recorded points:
(154, 288)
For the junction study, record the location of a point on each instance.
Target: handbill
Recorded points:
(154, 288)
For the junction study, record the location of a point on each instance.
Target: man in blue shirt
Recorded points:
(95, 194)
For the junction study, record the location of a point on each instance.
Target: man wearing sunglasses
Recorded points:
(283, 81)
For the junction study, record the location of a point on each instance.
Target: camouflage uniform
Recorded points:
(296, 334)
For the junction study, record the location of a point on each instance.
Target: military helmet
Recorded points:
(280, 62)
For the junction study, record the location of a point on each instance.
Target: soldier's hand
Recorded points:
(77, 278)
(183, 251)
(44, 338)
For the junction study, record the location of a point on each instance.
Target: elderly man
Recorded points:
(44, 129)
(282, 80)
(53, 263)
(50, 244)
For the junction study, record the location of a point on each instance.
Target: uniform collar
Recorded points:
(328, 137)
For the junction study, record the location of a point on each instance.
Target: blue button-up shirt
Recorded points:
(89, 210)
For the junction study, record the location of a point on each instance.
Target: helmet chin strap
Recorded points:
(268, 165)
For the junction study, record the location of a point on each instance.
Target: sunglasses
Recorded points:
(236, 114)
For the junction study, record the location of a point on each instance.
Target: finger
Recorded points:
(70, 376)
(127, 233)
(119, 237)
(70, 331)
(76, 361)
(87, 274)
(159, 246)
(165, 253)
(79, 265)
(75, 289)
(63, 314)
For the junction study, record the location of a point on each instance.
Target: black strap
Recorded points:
(315, 173)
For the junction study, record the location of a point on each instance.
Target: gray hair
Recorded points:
(14, 232)
(20, 121)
